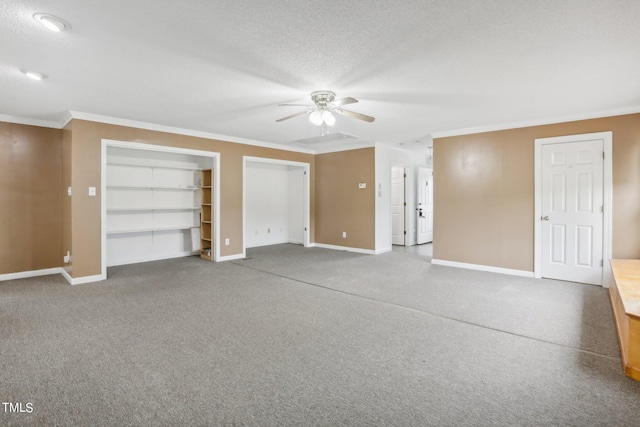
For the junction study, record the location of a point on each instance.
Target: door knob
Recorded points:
(546, 218)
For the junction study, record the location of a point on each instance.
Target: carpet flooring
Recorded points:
(294, 336)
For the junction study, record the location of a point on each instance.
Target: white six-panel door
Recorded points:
(398, 205)
(425, 206)
(572, 211)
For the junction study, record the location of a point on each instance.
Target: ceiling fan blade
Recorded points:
(355, 115)
(294, 105)
(293, 115)
(344, 101)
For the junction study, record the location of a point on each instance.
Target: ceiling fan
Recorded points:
(324, 105)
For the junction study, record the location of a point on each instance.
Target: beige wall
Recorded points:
(85, 172)
(484, 192)
(340, 205)
(30, 202)
(67, 223)
(72, 159)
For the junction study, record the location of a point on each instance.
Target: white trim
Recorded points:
(50, 271)
(86, 279)
(27, 274)
(30, 122)
(232, 257)
(98, 118)
(479, 267)
(348, 147)
(216, 160)
(103, 206)
(405, 198)
(259, 245)
(536, 122)
(66, 119)
(607, 222)
(346, 248)
(182, 131)
(307, 194)
(155, 258)
(66, 275)
(82, 280)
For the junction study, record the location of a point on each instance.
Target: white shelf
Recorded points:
(151, 187)
(152, 203)
(149, 229)
(157, 208)
(138, 165)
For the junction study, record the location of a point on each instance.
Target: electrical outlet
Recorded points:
(92, 191)
(67, 258)
(344, 234)
(226, 241)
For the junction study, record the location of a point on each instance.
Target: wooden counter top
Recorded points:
(627, 276)
(625, 302)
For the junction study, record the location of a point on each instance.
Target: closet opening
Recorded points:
(276, 202)
(152, 202)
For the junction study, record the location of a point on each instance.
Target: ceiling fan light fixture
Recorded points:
(51, 22)
(328, 118)
(34, 75)
(324, 109)
(316, 118)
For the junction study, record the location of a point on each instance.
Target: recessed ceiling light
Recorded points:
(33, 75)
(52, 22)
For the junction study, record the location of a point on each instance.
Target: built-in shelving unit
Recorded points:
(153, 203)
(206, 215)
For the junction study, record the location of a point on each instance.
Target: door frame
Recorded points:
(607, 220)
(214, 158)
(405, 172)
(306, 202)
(430, 171)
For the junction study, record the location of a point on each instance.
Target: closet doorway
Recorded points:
(276, 202)
(398, 205)
(151, 201)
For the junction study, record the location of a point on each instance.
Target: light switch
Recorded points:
(92, 191)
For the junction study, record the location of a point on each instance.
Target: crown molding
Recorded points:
(347, 147)
(65, 119)
(181, 131)
(537, 122)
(79, 115)
(29, 121)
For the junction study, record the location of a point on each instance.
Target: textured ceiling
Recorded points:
(419, 67)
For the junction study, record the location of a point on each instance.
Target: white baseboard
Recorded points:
(259, 245)
(384, 250)
(343, 248)
(479, 267)
(232, 257)
(26, 274)
(81, 280)
(153, 258)
(49, 271)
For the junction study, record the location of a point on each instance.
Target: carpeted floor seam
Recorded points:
(581, 350)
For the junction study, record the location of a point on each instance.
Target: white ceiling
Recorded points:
(420, 67)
